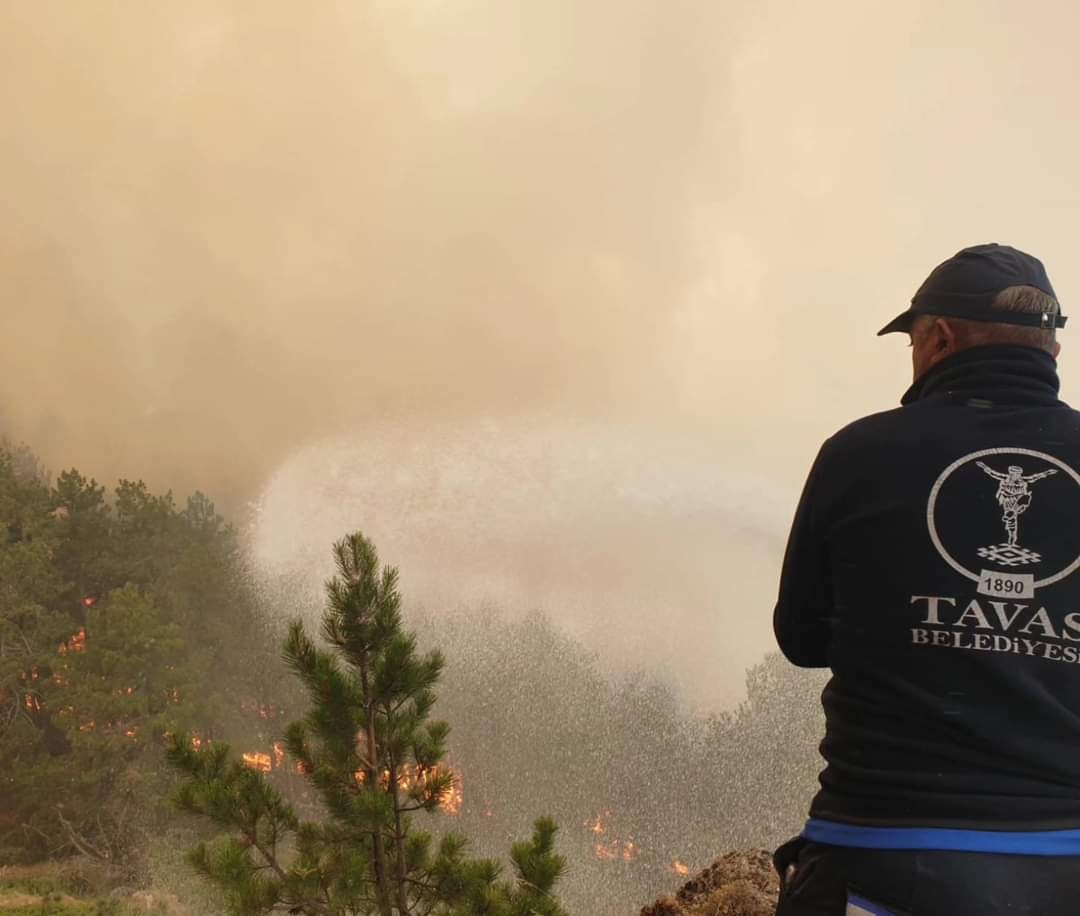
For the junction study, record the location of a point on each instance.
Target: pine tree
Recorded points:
(372, 752)
(120, 620)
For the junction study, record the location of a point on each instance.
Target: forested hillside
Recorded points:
(127, 617)
(123, 616)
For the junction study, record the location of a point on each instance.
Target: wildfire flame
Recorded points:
(616, 849)
(610, 848)
(407, 776)
(679, 868)
(257, 761)
(596, 825)
(76, 643)
(451, 801)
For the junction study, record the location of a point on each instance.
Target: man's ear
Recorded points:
(1057, 349)
(945, 337)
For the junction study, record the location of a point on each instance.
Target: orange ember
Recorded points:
(408, 777)
(610, 848)
(616, 849)
(596, 825)
(679, 868)
(451, 801)
(257, 761)
(76, 643)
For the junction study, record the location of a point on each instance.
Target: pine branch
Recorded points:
(80, 842)
(371, 697)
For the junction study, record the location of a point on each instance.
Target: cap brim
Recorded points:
(901, 322)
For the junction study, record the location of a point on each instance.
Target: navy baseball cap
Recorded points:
(965, 286)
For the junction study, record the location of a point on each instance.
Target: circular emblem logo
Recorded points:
(1006, 517)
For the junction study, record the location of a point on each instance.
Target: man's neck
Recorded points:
(1014, 374)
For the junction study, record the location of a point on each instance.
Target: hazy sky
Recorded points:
(229, 230)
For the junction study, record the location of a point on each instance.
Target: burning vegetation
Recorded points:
(610, 847)
(370, 780)
(408, 776)
(75, 643)
(115, 668)
(110, 637)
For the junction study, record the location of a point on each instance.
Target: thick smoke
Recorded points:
(231, 226)
(234, 229)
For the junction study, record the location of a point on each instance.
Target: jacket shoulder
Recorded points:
(869, 430)
(900, 427)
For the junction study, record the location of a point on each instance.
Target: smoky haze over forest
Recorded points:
(234, 230)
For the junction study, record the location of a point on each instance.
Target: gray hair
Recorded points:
(1025, 299)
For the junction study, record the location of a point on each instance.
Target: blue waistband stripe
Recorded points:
(859, 906)
(1017, 842)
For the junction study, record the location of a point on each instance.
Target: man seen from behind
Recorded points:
(934, 567)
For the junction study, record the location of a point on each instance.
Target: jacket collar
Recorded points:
(998, 373)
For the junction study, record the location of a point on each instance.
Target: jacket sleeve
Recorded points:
(801, 619)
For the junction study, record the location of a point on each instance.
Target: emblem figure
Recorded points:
(1014, 494)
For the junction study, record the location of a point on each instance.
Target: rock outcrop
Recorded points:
(737, 884)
